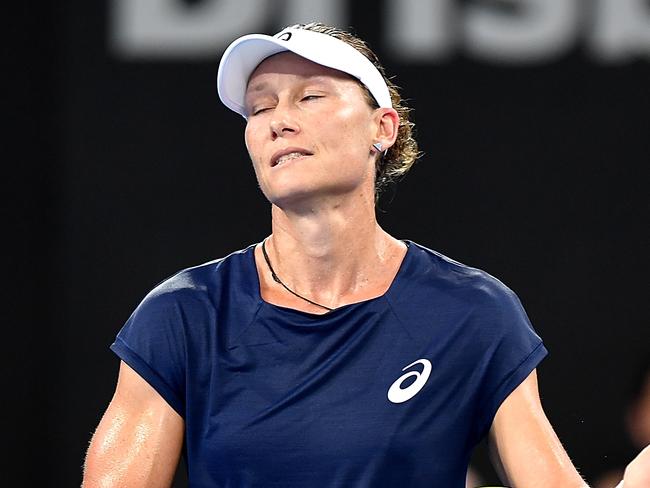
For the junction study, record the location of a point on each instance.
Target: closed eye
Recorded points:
(260, 110)
(311, 97)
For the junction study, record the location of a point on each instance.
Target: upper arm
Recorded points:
(526, 449)
(138, 440)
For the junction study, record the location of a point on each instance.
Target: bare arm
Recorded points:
(138, 441)
(637, 473)
(523, 445)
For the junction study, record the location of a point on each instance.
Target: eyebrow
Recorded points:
(262, 85)
(256, 87)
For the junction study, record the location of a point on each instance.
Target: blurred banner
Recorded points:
(424, 31)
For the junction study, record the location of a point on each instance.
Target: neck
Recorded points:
(332, 254)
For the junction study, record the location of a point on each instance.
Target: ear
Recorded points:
(387, 124)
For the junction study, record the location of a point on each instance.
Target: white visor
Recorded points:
(244, 55)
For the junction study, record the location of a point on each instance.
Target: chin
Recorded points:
(305, 201)
(292, 200)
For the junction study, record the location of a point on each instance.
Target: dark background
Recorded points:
(119, 172)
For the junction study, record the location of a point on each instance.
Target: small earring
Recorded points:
(377, 146)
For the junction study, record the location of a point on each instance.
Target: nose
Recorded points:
(283, 123)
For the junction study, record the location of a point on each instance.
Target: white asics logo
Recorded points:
(399, 395)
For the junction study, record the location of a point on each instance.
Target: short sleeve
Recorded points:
(152, 342)
(512, 350)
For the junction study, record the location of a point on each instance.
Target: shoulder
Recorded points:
(436, 273)
(187, 306)
(439, 295)
(205, 278)
(202, 287)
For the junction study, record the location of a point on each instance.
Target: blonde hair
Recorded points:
(401, 155)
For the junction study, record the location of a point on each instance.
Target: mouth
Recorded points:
(289, 154)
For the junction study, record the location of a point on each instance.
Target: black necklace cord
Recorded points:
(279, 281)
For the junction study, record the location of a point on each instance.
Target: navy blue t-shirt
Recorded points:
(392, 391)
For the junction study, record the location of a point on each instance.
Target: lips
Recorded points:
(287, 154)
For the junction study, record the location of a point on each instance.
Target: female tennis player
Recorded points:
(331, 354)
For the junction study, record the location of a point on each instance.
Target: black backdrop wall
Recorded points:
(533, 117)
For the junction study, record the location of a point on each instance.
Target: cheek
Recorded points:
(349, 132)
(254, 153)
(252, 146)
(248, 141)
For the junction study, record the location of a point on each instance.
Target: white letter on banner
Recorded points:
(419, 30)
(331, 12)
(538, 30)
(622, 30)
(172, 29)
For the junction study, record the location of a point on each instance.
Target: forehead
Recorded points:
(291, 64)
